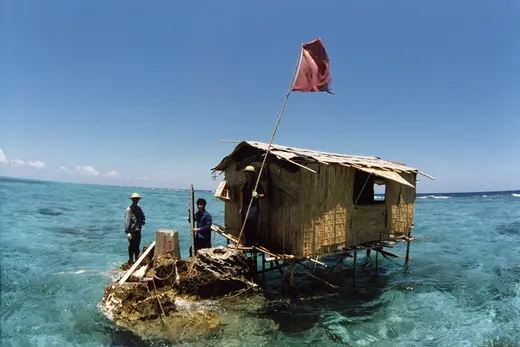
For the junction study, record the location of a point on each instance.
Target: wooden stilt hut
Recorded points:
(318, 203)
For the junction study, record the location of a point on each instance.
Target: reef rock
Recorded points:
(215, 272)
(176, 287)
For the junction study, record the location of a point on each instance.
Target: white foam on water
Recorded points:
(434, 197)
(78, 272)
(191, 306)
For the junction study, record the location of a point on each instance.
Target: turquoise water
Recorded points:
(61, 245)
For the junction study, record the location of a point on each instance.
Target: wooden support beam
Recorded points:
(377, 260)
(297, 164)
(137, 263)
(390, 254)
(341, 268)
(279, 257)
(354, 269)
(230, 141)
(242, 248)
(317, 262)
(407, 249)
(426, 175)
(316, 278)
(291, 279)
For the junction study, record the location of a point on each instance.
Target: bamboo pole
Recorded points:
(377, 262)
(408, 249)
(296, 68)
(317, 262)
(341, 268)
(377, 253)
(315, 277)
(291, 279)
(192, 220)
(354, 272)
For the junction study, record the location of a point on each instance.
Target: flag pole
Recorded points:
(296, 69)
(192, 220)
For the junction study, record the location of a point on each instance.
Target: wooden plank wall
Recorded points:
(236, 180)
(284, 208)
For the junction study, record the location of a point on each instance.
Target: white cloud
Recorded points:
(142, 178)
(113, 174)
(36, 164)
(89, 170)
(86, 170)
(3, 159)
(17, 162)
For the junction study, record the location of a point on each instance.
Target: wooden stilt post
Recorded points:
(341, 268)
(255, 256)
(354, 270)
(263, 266)
(377, 253)
(408, 249)
(291, 279)
(377, 262)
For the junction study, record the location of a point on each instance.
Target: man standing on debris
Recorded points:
(134, 221)
(248, 193)
(202, 233)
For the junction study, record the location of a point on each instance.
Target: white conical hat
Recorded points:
(249, 168)
(135, 196)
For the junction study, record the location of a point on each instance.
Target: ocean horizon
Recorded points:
(63, 243)
(443, 193)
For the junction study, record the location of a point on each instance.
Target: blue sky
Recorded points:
(140, 93)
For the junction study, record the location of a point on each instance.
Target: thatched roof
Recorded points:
(297, 156)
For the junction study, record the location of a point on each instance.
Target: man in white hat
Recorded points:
(134, 221)
(248, 193)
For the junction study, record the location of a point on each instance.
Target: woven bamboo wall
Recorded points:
(400, 201)
(368, 224)
(325, 214)
(311, 214)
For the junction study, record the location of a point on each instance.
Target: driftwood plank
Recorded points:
(136, 264)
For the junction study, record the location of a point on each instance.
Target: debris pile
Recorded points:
(177, 288)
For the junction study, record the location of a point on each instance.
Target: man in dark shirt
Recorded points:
(134, 221)
(248, 193)
(202, 233)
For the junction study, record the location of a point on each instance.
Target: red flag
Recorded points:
(313, 73)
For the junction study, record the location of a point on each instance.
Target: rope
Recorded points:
(164, 314)
(296, 68)
(237, 293)
(174, 268)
